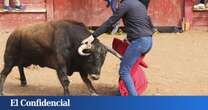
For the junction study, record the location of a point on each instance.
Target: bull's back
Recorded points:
(30, 45)
(39, 34)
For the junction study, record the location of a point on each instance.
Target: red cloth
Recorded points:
(138, 76)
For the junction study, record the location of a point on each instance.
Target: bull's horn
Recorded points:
(82, 48)
(112, 51)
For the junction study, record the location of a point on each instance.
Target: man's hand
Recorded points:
(88, 40)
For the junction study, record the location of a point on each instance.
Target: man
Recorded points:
(139, 33)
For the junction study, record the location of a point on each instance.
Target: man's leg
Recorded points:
(6, 2)
(133, 52)
(6, 6)
(19, 6)
(127, 62)
(18, 3)
(206, 3)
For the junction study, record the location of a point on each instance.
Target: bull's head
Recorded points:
(95, 55)
(93, 59)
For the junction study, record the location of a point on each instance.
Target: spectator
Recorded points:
(7, 7)
(201, 5)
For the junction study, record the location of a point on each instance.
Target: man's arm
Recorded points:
(112, 20)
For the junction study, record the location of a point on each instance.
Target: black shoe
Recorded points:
(7, 8)
(19, 8)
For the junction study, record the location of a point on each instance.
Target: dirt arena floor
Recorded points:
(178, 65)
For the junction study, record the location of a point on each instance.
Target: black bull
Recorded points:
(53, 45)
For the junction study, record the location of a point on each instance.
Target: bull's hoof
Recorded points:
(24, 83)
(94, 94)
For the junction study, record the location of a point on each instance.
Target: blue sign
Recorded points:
(103, 103)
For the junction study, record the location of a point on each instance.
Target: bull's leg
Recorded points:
(62, 74)
(88, 84)
(4, 73)
(22, 76)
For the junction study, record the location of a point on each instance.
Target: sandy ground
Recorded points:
(178, 65)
